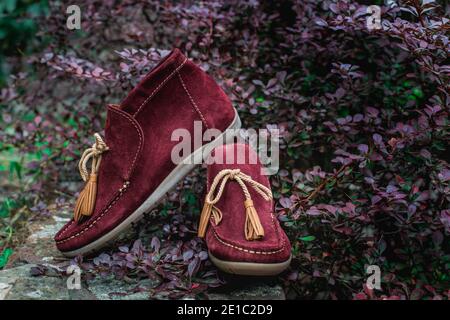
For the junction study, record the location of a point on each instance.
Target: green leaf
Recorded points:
(330, 184)
(5, 256)
(307, 238)
(418, 92)
(4, 212)
(407, 84)
(71, 122)
(15, 166)
(304, 135)
(47, 151)
(10, 5)
(6, 207)
(28, 117)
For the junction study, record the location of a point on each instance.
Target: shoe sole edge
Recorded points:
(250, 268)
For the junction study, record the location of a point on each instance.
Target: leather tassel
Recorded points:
(78, 204)
(204, 219)
(253, 227)
(207, 211)
(217, 215)
(86, 201)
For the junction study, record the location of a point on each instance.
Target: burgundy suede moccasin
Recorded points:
(128, 171)
(241, 232)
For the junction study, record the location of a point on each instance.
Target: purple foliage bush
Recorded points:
(363, 114)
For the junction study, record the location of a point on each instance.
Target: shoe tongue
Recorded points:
(148, 86)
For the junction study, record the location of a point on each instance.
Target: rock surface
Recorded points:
(18, 283)
(254, 291)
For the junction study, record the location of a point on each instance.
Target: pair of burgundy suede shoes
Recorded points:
(127, 173)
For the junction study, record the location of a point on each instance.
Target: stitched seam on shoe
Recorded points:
(192, 100)
(281, 239)
(66, 228)
(247, 250)
(128, 175)
(159, 87)
(96, 220)
(140, 139)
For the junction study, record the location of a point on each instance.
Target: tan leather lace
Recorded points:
(86, 200)
(253, 227)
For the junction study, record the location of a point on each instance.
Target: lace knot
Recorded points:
(93, 153)
(99, 146)
(233, 173)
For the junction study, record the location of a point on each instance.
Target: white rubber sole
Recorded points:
(250, 268)
(177, 174)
